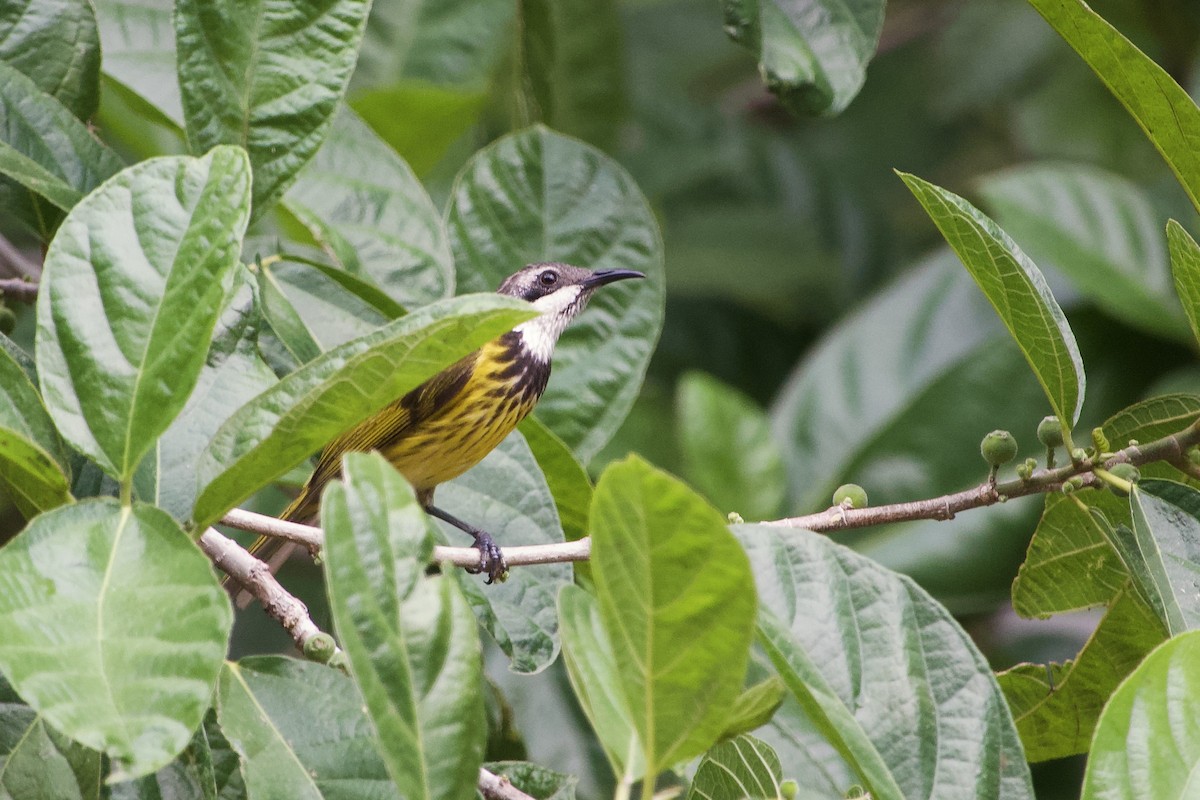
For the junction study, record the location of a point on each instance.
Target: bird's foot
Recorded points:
(491, 559)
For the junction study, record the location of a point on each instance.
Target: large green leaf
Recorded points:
(139, 51)
(1147, 743)
(744, 768)
(507, 496)
(410, 637)
(301, 732)
(884, 672)
(1160, 106)
(1016, 289)
(1098, 229)
(57, 44)
(538, 196)
(132, 288)
(812, 54)
(1166, 531)
(233, 374)
(266, 75)
(371, 214)
(1185, 269)
(728, 452)
(44, 147)
(36, 761)
(677, 604)
(115, 628)
(207, 770)
(288, 422)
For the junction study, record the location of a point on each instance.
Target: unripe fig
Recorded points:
(998, 447)
(850, 495)
(1049, 432)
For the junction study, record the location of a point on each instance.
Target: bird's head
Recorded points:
(559, 292)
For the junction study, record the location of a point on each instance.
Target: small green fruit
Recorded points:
(320, 648)
(789, 789)
(1049, 432)
(850, 495)
(1126, 472)
(998, 447)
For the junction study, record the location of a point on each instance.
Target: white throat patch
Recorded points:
(541, 333)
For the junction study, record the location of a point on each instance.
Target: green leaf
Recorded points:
(1056, 706)
(506, 495)
(1016, 289)
(571, 51)
(285, 424)
(812, 55)
(57, 44)
(755, 707)
(537, 196)
(728, 451)
(331, 312)
(365, 206)
(44, 147)
(677, 604)
(596, 679)
(535, 781)
(233, 374)
(132, 288)
(410, 637)
(744, 768)
(139, 51)
(888, 677)
(266, 75)
(37, 761)
(21, 408)
(568, 480)
(282, 316)
(1146, 743)
(361, 288)
(207, 770)
(1160, 106)
(1185, 269)
(30, 475)
(1099, 230)
(115, 628)
(1167, 535)
(300, 731)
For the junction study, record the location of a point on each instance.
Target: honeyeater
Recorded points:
(448, 424)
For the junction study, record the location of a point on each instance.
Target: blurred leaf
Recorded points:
(565, 476)
(812, 55)
(266, 75)
(538, 196)
(301, 732)
(419, 121)
(38, 762)
(232, 375)
(1016, 289)
(30, 475)
(57, 44)
(1056, 706)
(297, 416)
(410, 637)
(596, 679)
(115, 628)
(912, 706)
(572, 60)
(1185, 268)
(44, 147)
(506, 495)
(139, 51)
(728, 452)
(538, 782)
(1163, 110)
(1100, 230)
(1146, 743)
(677, 606)
(755, 706)
(363, 204)
(132, 288)
(277, 309)
(1167, 535)
(744, 768)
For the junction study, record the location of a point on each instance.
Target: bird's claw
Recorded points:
(491, 559)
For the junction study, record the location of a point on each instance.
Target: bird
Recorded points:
(449, 423)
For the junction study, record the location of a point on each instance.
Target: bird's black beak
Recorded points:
(603, 276)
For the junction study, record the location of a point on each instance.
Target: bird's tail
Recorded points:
(274, 550)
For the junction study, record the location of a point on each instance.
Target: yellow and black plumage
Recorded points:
(448, 424)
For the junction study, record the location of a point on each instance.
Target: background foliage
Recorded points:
(248, 222)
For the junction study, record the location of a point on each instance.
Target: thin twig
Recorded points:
(497, 787)
(19, 289)
(233, 559)
(14, 262)
(314, 539)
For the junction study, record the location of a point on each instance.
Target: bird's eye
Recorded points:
(548, 278)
